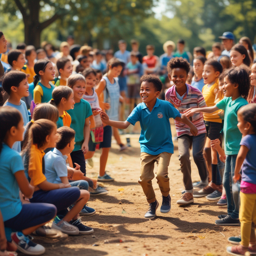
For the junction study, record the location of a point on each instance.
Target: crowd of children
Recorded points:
(58, 108)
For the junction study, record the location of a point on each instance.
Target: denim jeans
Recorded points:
(81, 184)
(232, 189)
(184, 144)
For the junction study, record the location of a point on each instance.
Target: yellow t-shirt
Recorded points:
(30, 72)
(4, 58)
(209, 93)
(38, 94)
(35, 169)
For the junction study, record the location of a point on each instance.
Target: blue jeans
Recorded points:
(232, 189)
(81, 184)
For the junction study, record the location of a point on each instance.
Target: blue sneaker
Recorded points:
(166, 204)
(87, 211)
(83, 230)
(222, 201)
(214, 196)
(105, 178)
(98, 191)
(235, 240)
(151, 213)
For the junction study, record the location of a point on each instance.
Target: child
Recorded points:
(217, 50)
(150, 61)
(28, 69)
(45, 72)
(246, 165)
(64, 51)
(213, 123)
(239, 56)
(43, 135)
(184, 96)
(252, 92)
(83, 61)
(23, 218)
(16, 85)
(40, 54)
(236, 89)
(198, 81)
(98, 63)
(225, 62)
(199, 51)
(153, 115)
(98, 76)
(65, 69)
(110, 88)
(133, 69)
(16, 59)
(56, 170)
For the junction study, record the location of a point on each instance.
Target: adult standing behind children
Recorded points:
(228, 42)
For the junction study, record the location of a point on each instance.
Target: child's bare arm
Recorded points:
(64, 180)
(215, 144)
(117, 124)
(191, 111)
(86, 136)
(24, 185)
(92, 122)
(47, 186)
(239, 161)
(3, 241)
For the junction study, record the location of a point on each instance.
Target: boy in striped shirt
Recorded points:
(183, 97)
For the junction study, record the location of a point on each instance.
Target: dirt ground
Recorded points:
(120, 215)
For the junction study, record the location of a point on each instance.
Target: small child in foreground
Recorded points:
(155, 139)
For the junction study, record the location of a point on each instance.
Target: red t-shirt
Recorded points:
(150, 61)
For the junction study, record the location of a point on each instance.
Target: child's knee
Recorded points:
(84, 195)
(162, 177)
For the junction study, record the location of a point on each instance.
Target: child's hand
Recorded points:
(106, 106)
(3, 243)
(104, 117)
(194, 130)
(96, 111)
(215, 144)
(84, 148)
(236, 177)
(70, 174)
(121, 99)
(189, 112)
(62, 185)
(77, 166)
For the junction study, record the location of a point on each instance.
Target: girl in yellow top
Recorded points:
(45, 72)
(213, 123)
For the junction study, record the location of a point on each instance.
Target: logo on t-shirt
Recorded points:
(160, 115)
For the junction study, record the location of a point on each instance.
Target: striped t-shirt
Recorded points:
(192, 99)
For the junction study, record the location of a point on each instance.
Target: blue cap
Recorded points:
(227, 35)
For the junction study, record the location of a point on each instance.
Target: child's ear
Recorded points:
(12, 130)
(47, 138)
(157, 93)
(217, 74)
(41, 72)
(63, 100)
(14, 88)
(170, 77)
(60, 70)
(14, 62)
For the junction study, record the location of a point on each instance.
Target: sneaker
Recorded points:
(222, 201)
(228, 221)
(105, 178)
(25, 245)
(166, 204)
(83, 230)
(237, 250)
(45, 231)
(151, 213)
(252, 249)
(222, 216)
(203, 192)
(98, 191)
(65, 227)
(199, 184)
(187, 198)
(123, 147)
(128, 142)
(87, 211)
(235, 240)
(214, 196)
(90, 162)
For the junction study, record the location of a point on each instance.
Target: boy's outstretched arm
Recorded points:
(117, 124)
(191, 111)
(186, 121)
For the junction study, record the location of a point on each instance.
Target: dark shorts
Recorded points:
(31, 215)
(78, 157)
(106, 143)
(133, 91)
(122, 81)
(213, 130)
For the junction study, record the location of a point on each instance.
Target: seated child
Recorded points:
(155, 139)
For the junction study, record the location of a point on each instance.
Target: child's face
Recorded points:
(98, 58)
(148, 92)
(236, 58)
(71, 145)
(116, 71)
(22, 89)
(150, 52)
(3, 44)
(32, 56)
(209, 74)
(79, 90)
(17, 132)
(67, 70)
(98, 78)
(134, 59)
(228, 87)
(52, 138)
(253, 75)
(90, 81)
(49, 72)
(41, 55)
(90, 59)
(178, 77)
(85, 63)
(242, 125)
(20, 62)
(65, 50)
(198, 67)
(221, 85)
(70, 102)
(216, 51)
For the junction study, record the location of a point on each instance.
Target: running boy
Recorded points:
(155, 140)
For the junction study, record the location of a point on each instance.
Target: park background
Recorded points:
(101, 23)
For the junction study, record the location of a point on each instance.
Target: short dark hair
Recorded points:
(114, 62)
(217, 45)
(21, 46)
(98, 53)
(81, 57)
(59, 93)
(181, 41)
(13, 55)
(178, 62)
(215, 64)
(13, 78)
(201, 58)
(40, 50)
(200, 49)
(29, 50)
(61, 62)
(154, 80)
(66, 135)
(150, 46)
(79, 68)
(89, 71)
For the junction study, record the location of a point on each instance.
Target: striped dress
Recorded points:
(193, 99)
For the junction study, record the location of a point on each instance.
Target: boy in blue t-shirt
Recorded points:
(155, 139)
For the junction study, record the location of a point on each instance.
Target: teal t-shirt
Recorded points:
(79, 113)
(59, 122)
(232, 135)
(156, 136)
(11, 163)
(47, 92)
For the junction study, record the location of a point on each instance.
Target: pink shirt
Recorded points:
(248, 188)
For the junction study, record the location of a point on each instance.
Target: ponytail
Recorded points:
(39, 66)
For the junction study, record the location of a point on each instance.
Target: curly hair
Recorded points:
(178, 62)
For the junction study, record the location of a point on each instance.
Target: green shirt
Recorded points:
(232, 135)
(59, 122)
(79, 113)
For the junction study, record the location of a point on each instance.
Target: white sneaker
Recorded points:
(66, 228)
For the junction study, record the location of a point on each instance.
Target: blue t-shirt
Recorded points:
(55, 166)
(249, 165)
(11, 162)
(156, 136)
(198, 84)
(22, 108)
(125, 57)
